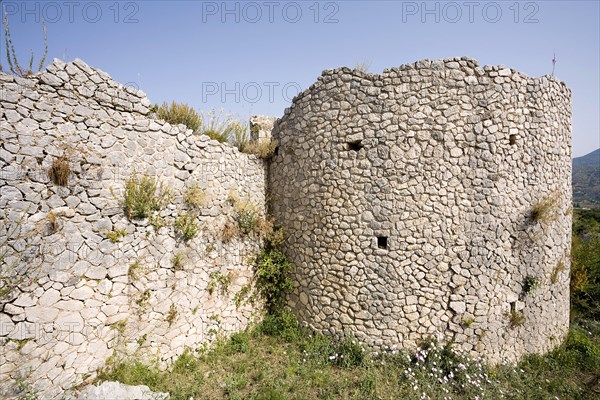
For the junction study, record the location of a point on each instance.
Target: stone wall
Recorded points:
(70, 296)
(433, 200)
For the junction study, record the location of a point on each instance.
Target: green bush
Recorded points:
(247, 220)
(272, 271)
(176, 113)
(281, 323)
(144, 195)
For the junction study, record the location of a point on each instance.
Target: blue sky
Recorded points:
(253, 57)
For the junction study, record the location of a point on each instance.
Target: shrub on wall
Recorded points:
(144, 195)
(186, 225)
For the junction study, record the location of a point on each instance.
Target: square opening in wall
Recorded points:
(382, 242)
(355, 145)
(512, 139)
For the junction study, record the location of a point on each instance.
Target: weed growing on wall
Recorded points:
(186, 225)
(246, 215)
(218, 280)
(135, 271)
(172, 315)
(115, 235)
(143, 196)
(53, 222)
(530, 285)
(560, 267)
(515, 318)
(177, 261)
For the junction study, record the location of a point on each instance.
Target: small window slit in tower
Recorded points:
(355, 145)
(382, 242)
(276, 152)
(512, 139)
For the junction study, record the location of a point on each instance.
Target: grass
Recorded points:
(277, 359)
(225, 129)
(217, 125)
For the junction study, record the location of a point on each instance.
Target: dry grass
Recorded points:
(264, 148)
(177, 113)
(560, 267)
(545, 209)
(194, 196)
(230, 231)
(516, 318)
(53, 222)
(60, 171)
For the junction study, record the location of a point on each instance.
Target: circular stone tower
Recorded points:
(433, 200)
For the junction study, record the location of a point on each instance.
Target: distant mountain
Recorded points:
(592, 158)
(586, 180)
